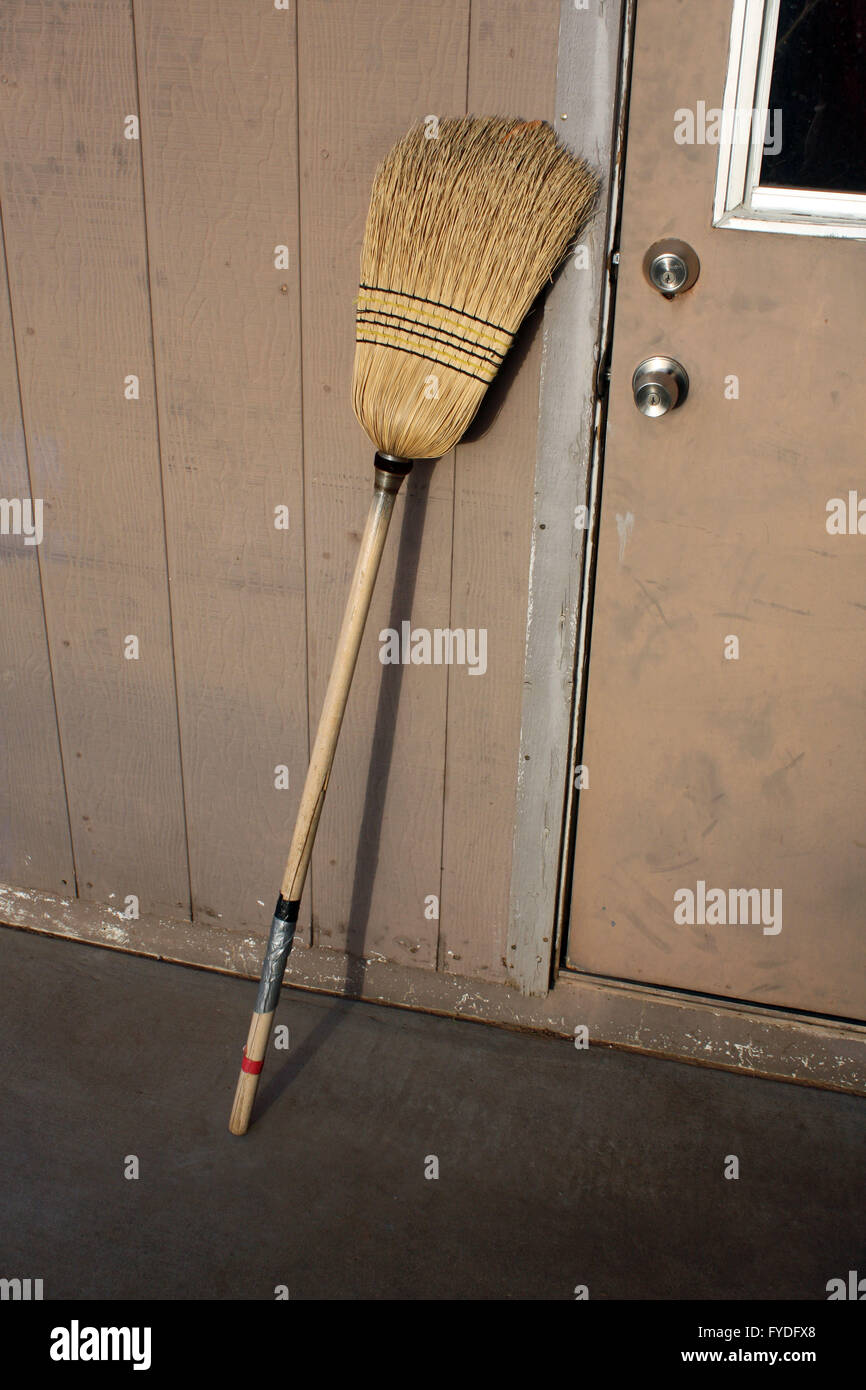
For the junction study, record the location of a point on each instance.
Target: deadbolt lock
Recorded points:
(671, 267)
(659, 384)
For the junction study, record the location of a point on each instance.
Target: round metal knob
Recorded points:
(659, 384)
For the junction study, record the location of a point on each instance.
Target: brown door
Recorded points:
(721, 841)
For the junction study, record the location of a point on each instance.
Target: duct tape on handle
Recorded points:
(279, 945)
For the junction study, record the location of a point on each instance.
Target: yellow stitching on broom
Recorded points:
(373, 329)
(432, 320)
(482, 353)
(438, 318)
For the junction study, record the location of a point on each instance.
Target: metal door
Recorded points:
(721, 826)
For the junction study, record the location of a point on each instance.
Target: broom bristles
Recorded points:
(463, 230)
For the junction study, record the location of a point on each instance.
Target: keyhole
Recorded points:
(658, 385)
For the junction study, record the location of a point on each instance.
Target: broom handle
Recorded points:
(388, 477)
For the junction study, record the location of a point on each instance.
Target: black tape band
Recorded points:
(398, 467)
(286, 911)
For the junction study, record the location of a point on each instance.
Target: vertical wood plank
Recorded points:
(219, 104)
(72, 199)
(512, 72)
(378, 854)
(35, 845)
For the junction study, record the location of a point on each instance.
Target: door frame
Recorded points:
(593, 82)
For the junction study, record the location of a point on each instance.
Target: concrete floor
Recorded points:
(556, 1167)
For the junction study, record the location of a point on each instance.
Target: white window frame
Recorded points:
(740, 201)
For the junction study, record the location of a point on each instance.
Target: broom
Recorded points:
(463, 230)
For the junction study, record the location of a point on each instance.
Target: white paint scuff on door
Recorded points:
(624, 528)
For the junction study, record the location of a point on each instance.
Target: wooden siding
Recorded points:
(157, 257)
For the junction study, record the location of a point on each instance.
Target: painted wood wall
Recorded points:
(155, 258)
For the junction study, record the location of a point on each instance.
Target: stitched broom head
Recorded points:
(463, 230)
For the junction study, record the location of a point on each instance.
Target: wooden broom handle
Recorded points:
(388, 478)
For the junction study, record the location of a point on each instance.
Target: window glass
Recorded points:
(819, 72)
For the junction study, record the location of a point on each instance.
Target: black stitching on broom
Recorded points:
(426, 356)
(440, 332)
(487, 355)
(380, 289)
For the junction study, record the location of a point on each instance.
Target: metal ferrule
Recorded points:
(279, 945)
(390, 472)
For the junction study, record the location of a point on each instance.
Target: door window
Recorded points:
(792, 140)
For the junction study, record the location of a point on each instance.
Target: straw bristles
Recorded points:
(463, 230)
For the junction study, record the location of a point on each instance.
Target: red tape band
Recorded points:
(252, 1067)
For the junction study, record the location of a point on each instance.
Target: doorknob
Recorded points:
(659, 384)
